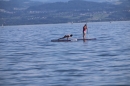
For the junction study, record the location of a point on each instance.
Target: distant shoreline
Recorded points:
(61, 23)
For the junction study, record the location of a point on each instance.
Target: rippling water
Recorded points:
(29, 58)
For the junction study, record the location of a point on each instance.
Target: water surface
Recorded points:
(29, 58)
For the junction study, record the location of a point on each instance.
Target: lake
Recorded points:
(29, 58)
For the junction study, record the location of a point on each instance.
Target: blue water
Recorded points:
(29, 58)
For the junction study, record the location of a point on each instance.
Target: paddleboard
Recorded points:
(70, 40)
(63, 40)
(88, 39)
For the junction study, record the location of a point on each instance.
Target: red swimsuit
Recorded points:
(84, 29)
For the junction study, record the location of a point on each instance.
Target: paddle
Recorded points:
(87, 30)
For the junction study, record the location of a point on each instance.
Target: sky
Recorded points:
(68, 0)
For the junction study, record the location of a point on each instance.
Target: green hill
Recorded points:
(16, 12)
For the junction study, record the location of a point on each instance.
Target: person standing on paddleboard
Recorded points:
(84, 31)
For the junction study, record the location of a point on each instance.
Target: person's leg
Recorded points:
(62, 37)
(83, 35)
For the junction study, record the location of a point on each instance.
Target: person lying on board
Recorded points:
(66, 36)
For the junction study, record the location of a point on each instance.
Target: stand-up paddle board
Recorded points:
(88, 39)
(63, 40)
(70, 40)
